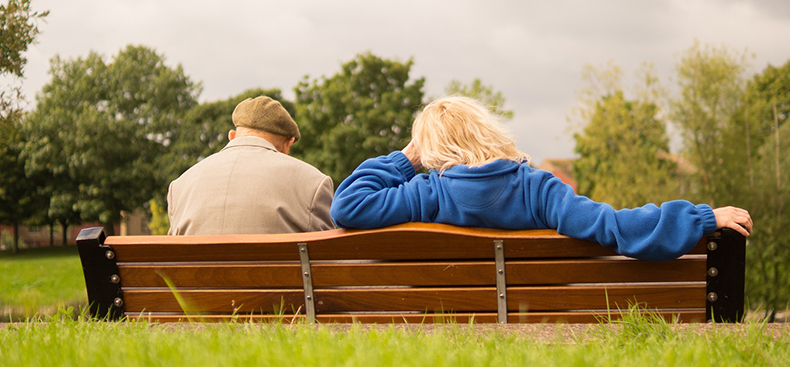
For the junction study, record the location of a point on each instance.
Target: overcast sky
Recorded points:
(531, 51)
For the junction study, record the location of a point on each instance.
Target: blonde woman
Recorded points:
(479, 179)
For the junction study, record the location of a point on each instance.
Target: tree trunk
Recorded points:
(109, 229)
(15, 246)
(51, 234)
(65, 226)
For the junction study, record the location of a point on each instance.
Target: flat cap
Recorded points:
(264, 113)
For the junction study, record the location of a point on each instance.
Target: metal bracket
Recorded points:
(307, 282)
(725, 277)
(501, 285)
(100, 268)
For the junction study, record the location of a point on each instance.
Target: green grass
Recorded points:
(40, 280)
(636, 342)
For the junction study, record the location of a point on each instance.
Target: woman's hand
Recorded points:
(411, 152)
(735, 218)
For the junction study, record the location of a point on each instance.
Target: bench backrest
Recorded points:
(413, 273)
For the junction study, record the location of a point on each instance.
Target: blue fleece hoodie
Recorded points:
(385, 191)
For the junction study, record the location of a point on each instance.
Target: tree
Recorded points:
(623, 145)
(711, 89)
(765, 187)
(203, 132)
(18, 30)
(19, 199)
(624, 155)
(101, 130)
(363, 111)
(485, 94)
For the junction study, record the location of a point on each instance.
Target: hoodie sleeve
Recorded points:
(381, 192)
(648, 232)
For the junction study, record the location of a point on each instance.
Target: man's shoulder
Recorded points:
(298, 164)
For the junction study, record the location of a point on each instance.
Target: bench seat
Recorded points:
(414, 272)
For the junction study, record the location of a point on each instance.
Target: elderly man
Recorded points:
(252, 185)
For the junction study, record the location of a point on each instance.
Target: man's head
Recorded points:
(263, 116)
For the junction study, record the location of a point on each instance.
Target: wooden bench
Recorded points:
(413, 273)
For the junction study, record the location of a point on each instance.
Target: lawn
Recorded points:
(40, 280)
(67, 342)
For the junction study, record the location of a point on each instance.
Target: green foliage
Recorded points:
(485, 94)
(623, 145)
(102, 131)
(711, 90)
(767, 190)
(363, 111)
(18, 30)
(623, 155)
(160, 222)
(19, 197)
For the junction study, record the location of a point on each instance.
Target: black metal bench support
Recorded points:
(101, 275)
(726, 277)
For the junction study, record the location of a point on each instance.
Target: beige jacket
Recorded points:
(249, 187)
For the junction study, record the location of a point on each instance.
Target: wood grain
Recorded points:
(595, 297)
(215, 301)
(212, 275)
(604, 271)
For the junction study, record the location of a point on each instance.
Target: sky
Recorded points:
(532, 52)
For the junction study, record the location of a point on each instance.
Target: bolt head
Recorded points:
(712, 246)
(306, 274)
(712, 272)
(309, 297)
(115, 279)
(109, 254)
(501, 271)
(118, 302)
(712, 296)
(501, 295)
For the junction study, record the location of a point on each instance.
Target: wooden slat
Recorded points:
(406, 299)
(420, 299)
(396, 318)
(415, 274)
(475, 273)
(212, 275)
(227, 301)
(410, 318)
(410, 241)
(157, 249)
(594, 297)
(274, 319)
(324, 274)
(603, 271)
(597, 317)
(326, 300)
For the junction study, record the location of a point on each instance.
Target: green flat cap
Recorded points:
(264, 113)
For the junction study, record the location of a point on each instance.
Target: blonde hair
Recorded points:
(459, 130)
